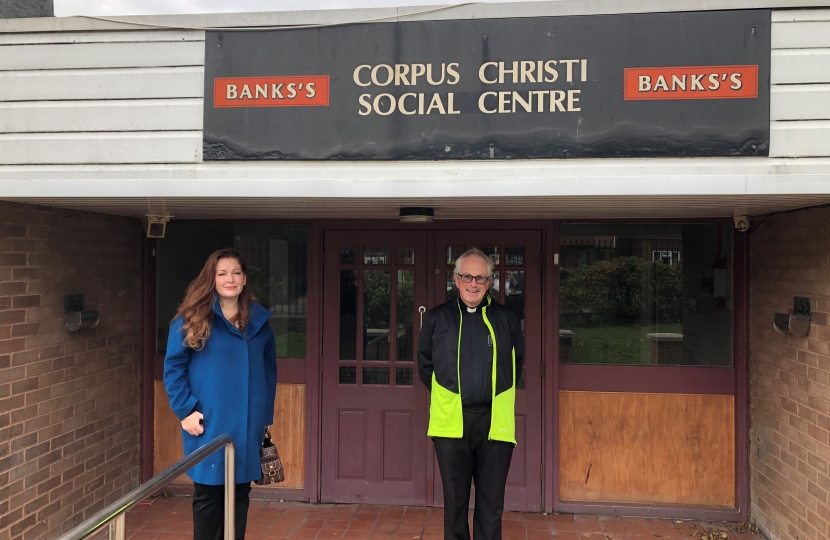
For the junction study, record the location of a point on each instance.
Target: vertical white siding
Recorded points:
(800, 77)
(101, 97)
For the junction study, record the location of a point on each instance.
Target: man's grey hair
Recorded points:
(475, 252)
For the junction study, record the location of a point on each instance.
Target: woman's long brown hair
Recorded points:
(197, 307)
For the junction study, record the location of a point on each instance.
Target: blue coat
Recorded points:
(232, 381)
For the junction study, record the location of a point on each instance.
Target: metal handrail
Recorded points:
(114, 514)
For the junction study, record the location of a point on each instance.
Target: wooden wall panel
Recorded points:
(800, 139)
(106, 115)
(800, 73)
(800, 66)
(647, 448)
(98, 55)
(799, 102)
(167, 434)
(89, 84)
(120, 36)
(77, 148)
(801, 35)
(288, 432)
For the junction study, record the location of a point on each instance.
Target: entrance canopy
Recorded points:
(607, 188)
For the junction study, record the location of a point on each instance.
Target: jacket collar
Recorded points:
(258, 316)
(484, 301)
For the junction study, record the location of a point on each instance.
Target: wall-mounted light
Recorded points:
(157, 226)
(797, 324)
(74, 316)
(416, 214)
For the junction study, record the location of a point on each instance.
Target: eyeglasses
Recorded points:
(468, 278)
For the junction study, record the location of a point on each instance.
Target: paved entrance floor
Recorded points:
(170, 519)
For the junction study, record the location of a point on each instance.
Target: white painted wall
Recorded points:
(101, 97)
(134, 96)
(800, 77)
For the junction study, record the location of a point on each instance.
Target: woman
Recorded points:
(220, 373)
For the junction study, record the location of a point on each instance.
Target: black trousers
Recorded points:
(473, 458)
(209, 511)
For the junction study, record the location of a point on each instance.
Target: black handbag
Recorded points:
(269, 462)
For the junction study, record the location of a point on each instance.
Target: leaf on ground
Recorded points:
(711, 535)
(744, 527)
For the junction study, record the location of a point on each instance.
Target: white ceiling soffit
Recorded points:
(596, 207)
(649, 177)
(607, 188)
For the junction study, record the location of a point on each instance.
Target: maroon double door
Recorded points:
(377, 286)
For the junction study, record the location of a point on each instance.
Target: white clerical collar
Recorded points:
(471, 309)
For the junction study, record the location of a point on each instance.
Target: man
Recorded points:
(470, 356)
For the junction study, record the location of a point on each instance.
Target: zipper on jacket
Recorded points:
(494, 374)
(458, 359)
(495, 355)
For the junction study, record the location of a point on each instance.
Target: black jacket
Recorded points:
(438, 345)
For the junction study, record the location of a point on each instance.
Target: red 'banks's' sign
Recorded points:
(691, 82)
(290, 91)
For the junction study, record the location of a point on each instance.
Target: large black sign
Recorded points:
(658, 84)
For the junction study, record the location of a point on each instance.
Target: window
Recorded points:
(276, 257)
(646, 294)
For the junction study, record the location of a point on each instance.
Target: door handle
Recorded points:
(422, 310)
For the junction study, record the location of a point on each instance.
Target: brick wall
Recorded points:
(69, 402)
(790, 378)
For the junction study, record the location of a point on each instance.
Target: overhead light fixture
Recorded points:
(416, 214)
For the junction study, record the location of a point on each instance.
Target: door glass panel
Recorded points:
(347, 375)
(514, 255)
(376, 314)
(514, 299)
(376, 255)
(452, 290)
(348, 314)
(404, 313)
(403, 376)
(453, 252)
(376, 375)
(347, 255)
(492, 252)
(406, 255)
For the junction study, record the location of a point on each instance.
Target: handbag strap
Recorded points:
(267, 433)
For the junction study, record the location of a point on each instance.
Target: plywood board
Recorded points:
(647, 448)
(167, 434)
(288, 433)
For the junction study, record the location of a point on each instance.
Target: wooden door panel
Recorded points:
(351, 445)
(517, 476)
(398, 430)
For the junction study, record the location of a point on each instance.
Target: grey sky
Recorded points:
(104, 8)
